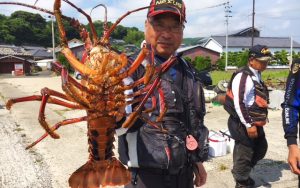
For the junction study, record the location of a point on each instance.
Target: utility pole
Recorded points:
(53, 40)
(227, 12)
(253, 15)
(291, 52)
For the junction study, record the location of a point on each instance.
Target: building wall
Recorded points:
(78, 51)
(213, 46)
(214, 56)
(7, 65)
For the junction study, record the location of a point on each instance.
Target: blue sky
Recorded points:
(274, 18)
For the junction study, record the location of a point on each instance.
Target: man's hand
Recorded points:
(294, 158)
(252, 132)
(200, 174)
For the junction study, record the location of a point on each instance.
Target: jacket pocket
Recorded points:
(159, 150)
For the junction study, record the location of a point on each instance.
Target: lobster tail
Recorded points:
(95, 173)
(102, 168)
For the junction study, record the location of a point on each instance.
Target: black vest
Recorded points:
(258, 111)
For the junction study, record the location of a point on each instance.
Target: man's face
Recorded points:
(258, 65)
(164, 32)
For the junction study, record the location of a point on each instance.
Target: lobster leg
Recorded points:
(51, 100)
(162, 69)
(46, 93)
(65, 49)
(149, 70)
(56, 126)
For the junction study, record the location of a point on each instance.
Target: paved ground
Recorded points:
(50, 163)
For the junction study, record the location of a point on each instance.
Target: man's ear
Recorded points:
(250, 60)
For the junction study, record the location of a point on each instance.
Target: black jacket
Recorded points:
(148, 147)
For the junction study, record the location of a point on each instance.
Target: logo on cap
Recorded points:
(172, 2)
(265, 51)
(163, 6)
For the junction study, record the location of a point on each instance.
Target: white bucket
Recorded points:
(217, 144)
(230, 141)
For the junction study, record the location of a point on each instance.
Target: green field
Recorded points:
(273, 76)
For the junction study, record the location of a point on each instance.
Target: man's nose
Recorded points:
(167, 29)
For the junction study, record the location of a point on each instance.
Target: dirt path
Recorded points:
(19, 168)
(50, 163)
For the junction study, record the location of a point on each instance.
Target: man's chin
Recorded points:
(165, 52)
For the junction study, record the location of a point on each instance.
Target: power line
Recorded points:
(209, 7)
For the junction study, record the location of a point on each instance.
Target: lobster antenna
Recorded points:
(29, 6)
(108, 33)
(93, 30)
(36, 8)
(105, 16)
(35, 2)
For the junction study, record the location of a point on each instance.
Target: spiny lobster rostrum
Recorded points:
(101, 93)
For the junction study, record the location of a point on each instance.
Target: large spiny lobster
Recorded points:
(101, 94)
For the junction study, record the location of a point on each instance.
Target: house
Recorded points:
(242, 40)
(15, 59)
(76, 46)
(38, 52)
(198, 50)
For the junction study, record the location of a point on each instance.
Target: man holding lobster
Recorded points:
(167, 152)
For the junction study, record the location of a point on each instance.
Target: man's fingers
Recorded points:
(199, 181)
(294, 168)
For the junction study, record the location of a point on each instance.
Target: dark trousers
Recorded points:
(158, 178)
(247, 152)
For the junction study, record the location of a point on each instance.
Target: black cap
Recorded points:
(164, 6)
(260, 52)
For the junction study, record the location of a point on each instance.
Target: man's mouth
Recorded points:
(165, 43)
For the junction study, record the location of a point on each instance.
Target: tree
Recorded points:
(238, 59)
(120, 32)
(202, 63)
(71, 32)
(26, 28)
(21, 30)
(5, 36)
(36, 19)
(63, 60)
(220, 64)
(242, 58)
(98, 26)
(281, 57)
(134, 37)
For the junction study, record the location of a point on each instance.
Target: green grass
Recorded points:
(220, 75)
(273, 75)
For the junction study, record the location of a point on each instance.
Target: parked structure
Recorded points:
(38, 52)
(15, 59)
(241, 40)
(76, 46)
(198, 50)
